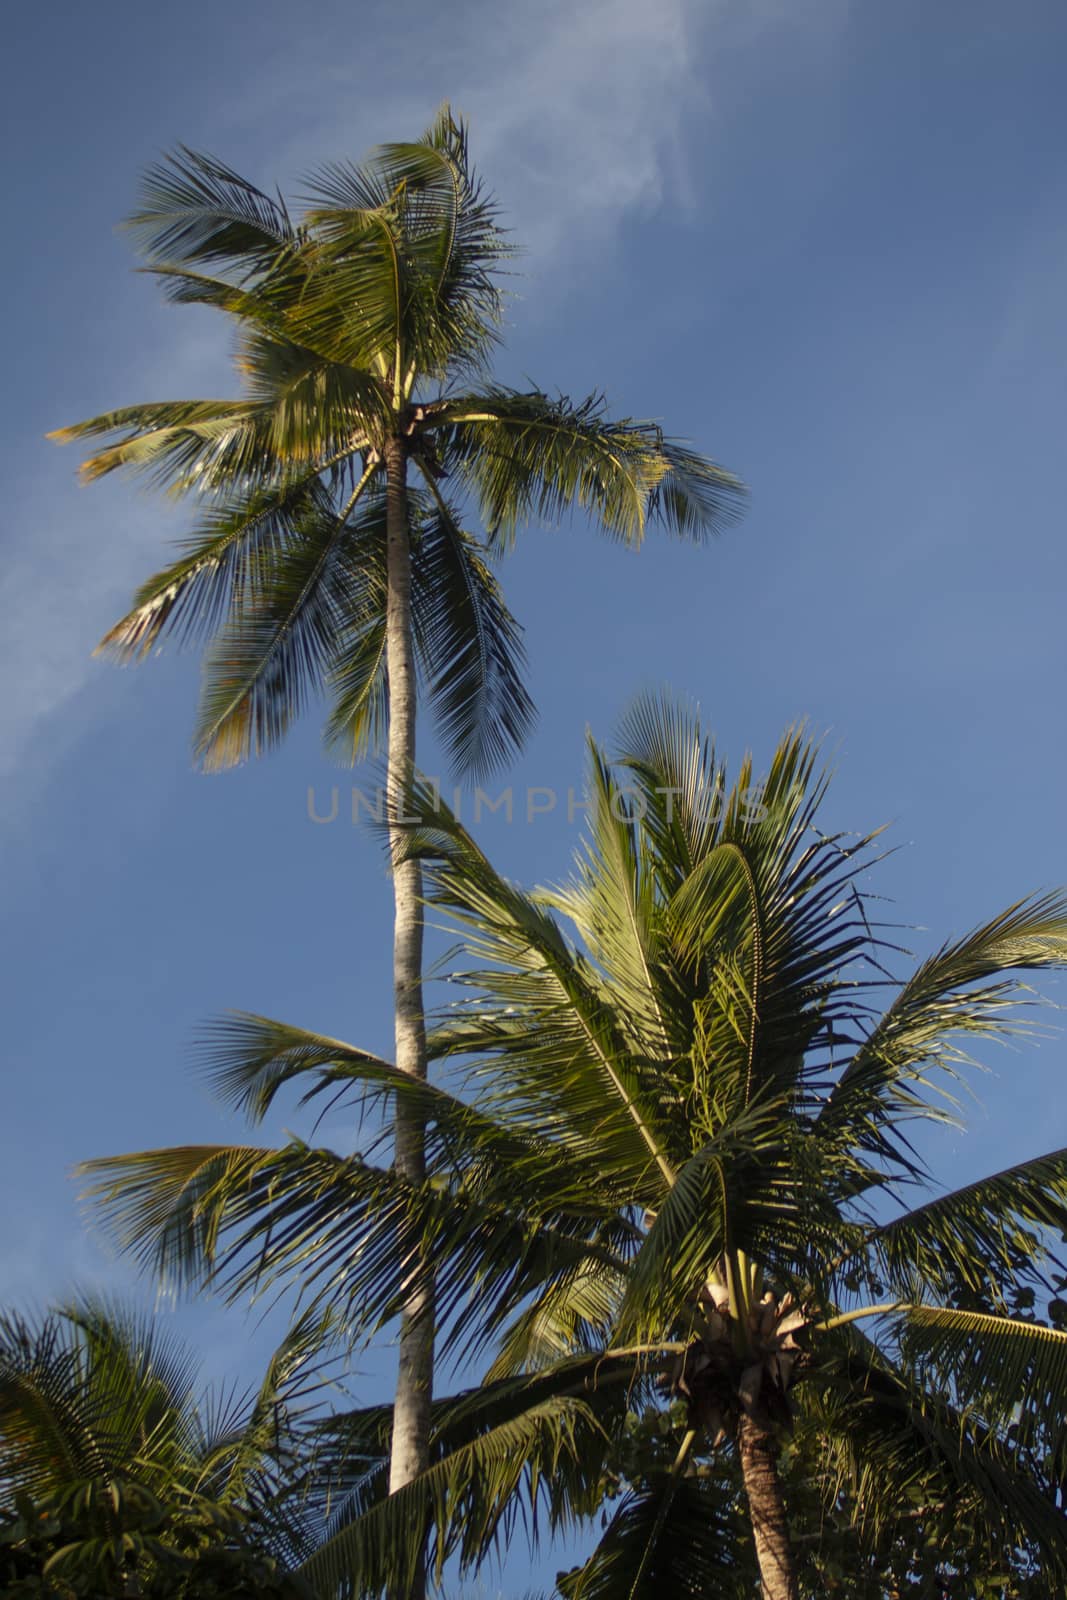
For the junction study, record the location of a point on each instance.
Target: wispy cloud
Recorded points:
(74, 556)
(578, 110)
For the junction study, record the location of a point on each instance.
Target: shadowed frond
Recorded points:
(193, 208)
(1001, 1368)
(672, 1536)
(219, 573)
(273, 654)
(244, 1219)
(889, 1442)
(973, 1235)
(511, 1453)
(470, 647)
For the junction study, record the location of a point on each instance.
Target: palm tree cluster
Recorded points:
(119, 1479)
(329, 553)
(655, 1171)
(669, 1174)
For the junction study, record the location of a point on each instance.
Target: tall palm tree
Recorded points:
(674, 1167)
(117, 1478)
(330, 553)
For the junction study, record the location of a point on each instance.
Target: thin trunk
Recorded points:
(758, 1450)
(411, 1416)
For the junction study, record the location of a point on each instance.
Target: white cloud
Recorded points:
(577, 106)
(582, 111)
(76, 554)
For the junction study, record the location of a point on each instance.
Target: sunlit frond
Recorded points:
(528, 456)
(966, 991)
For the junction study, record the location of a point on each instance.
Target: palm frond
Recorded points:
(525, 455)
(470, 646)
(576, 1311)
(243, 1219)
(615, 907)
(412, 238)
(271, 656)
(984, 1237)
(249, 1059)
(194, 208)
(182, 444)
(889, 1442)
(963, 992)
(220, 572)
(670, 1536)
(503, 1456)
(529, 964)
(999, 1367)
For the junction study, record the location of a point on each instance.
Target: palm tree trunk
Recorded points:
(414, 1389)
(759, 1469)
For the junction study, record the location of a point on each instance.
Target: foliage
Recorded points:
(670, 1167)
(367, 321)
(114, 1480)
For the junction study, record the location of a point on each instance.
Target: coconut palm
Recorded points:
(674, 1166)
(330, 552)
(117, 1479)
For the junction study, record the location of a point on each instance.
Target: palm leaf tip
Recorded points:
(195, 208)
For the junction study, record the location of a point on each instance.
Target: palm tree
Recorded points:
(115, 1479)
(329, 552)
(673, 1168)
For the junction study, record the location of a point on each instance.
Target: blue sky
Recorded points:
(827, 243)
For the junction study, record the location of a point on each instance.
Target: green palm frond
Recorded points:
(576, 1311)
(272, 655)
(671, 1536)
(616, 909)
(999, 1367)
(358, 686)
(469, 644)
(984, 1236)
(249, 1059)
(207, 1211)
(259, 1450)
(183, 287)
(468, 1495)
(193, 208)
(727, 1196)
(415, 223)
(536, 1072)
(522, 1448)
(890, 1442)
(182, 445)
(243, 1219)
(220, 572)
(112, 1462)
(528, 455)
(318, 409)
(966, 991)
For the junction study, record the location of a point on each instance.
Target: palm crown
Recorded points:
(669, 1162)
(118, 1479)
(363, 328)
